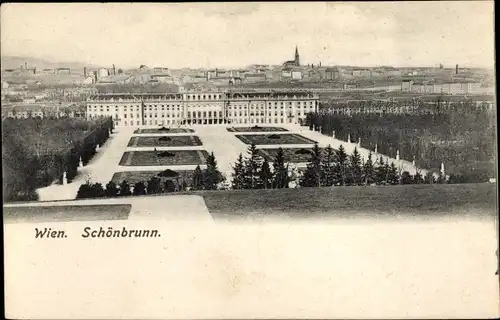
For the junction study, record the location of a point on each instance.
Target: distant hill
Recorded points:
(13, 62)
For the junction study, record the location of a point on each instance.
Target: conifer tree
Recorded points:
(211, 175)
(328, 167)
(355, 170)
(392, 174)
(266, 175)
(381, 171)
(238, 174)
(252, 166)
(369, 174)
(313, 174)
(341, 166)
(280, 176)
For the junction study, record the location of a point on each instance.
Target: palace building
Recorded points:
(230, 107)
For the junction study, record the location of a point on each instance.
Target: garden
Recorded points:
(294, 155)
(266, 139)
(255, 128)
(163, 158)
(133, 177)
(163, 130)
(165, 141)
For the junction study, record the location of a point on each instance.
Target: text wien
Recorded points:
(49, 233)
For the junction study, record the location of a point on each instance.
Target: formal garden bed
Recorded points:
(255, 128)
(266, 139)
(164, 130)
(165, 141)
(163, 158)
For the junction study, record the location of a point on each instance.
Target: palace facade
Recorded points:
(167, 109)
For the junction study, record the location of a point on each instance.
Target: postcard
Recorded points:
(249, 160)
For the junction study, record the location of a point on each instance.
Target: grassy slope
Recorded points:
(391, 200)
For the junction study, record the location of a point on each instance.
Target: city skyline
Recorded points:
(228, 35)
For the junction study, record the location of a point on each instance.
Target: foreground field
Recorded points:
(407, 201)
(413, 200)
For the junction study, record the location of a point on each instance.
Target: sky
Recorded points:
(177, 35)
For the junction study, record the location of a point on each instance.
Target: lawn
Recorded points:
(132, 177)
(367, 202)
(66, 213)
(255, 129)
(164, 130)
(165, 141)
(291, 154)
(169, 158)
(265, 139)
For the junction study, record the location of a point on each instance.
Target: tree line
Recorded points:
(37, 152)
(462, 139)
(326, 168)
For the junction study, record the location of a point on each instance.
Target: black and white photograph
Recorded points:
(341, 156)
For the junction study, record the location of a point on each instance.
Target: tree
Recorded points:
(211, 175)
(197, 179)
(429, 178)
(154, 185)
(85, 191)
(406, 178)
(381, 171)
(124, 189)
(417, 178)
(280, 176)
(369, 174)
(111, 189)
(139, 189)
(90, 190)
(392, 174)
(238, 174)
(340, 166)
(266, 175)
(355, 170)
(98, 191)
(328, 167)
(252, 166)
(313, 174)
(441, 179)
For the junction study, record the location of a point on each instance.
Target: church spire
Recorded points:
(297, 56)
